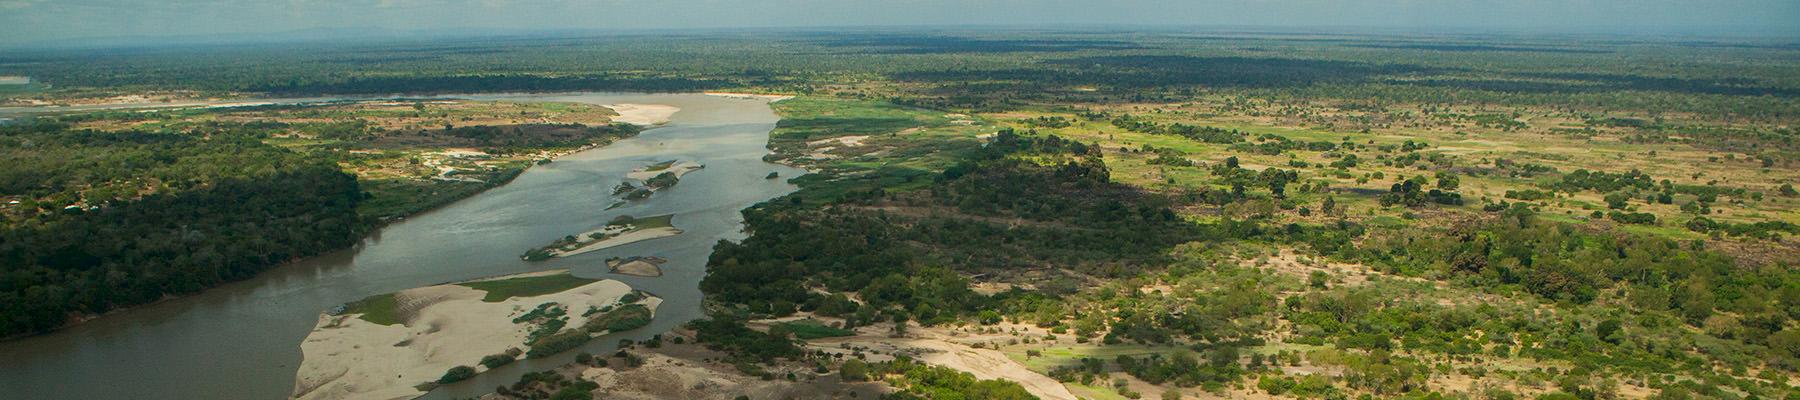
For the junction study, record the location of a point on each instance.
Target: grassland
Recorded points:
(379, 309)
(526, 286)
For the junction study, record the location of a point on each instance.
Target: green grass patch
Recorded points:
(812, 329)
(379, 309)
(1061, 355)
(500, 290)
(1094, 392)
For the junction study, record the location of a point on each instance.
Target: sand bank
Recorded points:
(637, 266)
(643, 114)
(736, 95)
(443, 326)
(622, 239)
(679, 169)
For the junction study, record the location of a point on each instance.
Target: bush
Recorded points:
(854, 371)
(557, 343)
(457, 374)
(496, 360)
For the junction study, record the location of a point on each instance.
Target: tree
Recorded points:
(854, 371)
(457, 374)
(1448, 181)
(1617, 200)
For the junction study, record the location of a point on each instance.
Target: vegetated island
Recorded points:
(620, 231)
(402, 344)
(654, 177)
(636, 266)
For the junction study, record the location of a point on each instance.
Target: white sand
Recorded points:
(983, 363)
(936, 346)
(852, 140)
(448, 325)
(680, 169)
(643, 114)
(621, 240)
(638, 268)
(753, 96)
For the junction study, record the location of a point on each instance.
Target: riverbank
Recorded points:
(398, 345)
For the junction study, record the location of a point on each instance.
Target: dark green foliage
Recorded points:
(457, 374)
(582, 390)
(1632, 218)
(1409, 193)
(726, 334)
(496, 360)
(1605, 182)
(557, 343)
(662, 180)
(1185, 369)
(221, 210)
(1205, 134)
(623, 318)
(919, 381)
(1083, 220)
(1761, 230)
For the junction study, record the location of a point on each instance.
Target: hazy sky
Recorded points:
(28, 21)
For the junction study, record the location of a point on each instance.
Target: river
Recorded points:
(242, 340)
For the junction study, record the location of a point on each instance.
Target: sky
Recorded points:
(46, 21)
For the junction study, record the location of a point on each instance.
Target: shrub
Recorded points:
(457, 374)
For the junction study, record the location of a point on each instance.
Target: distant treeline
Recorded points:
(491, 83)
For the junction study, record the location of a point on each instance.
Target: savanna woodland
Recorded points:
(1166, 214)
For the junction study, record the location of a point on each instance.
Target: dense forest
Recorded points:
(113, 220)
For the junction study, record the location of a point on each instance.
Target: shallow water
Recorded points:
(242, 340)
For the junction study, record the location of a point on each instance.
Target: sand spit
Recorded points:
(643, 114)
(637, 266)
(736, 95)
(443, 326)
(679, 169)
(619, 240)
